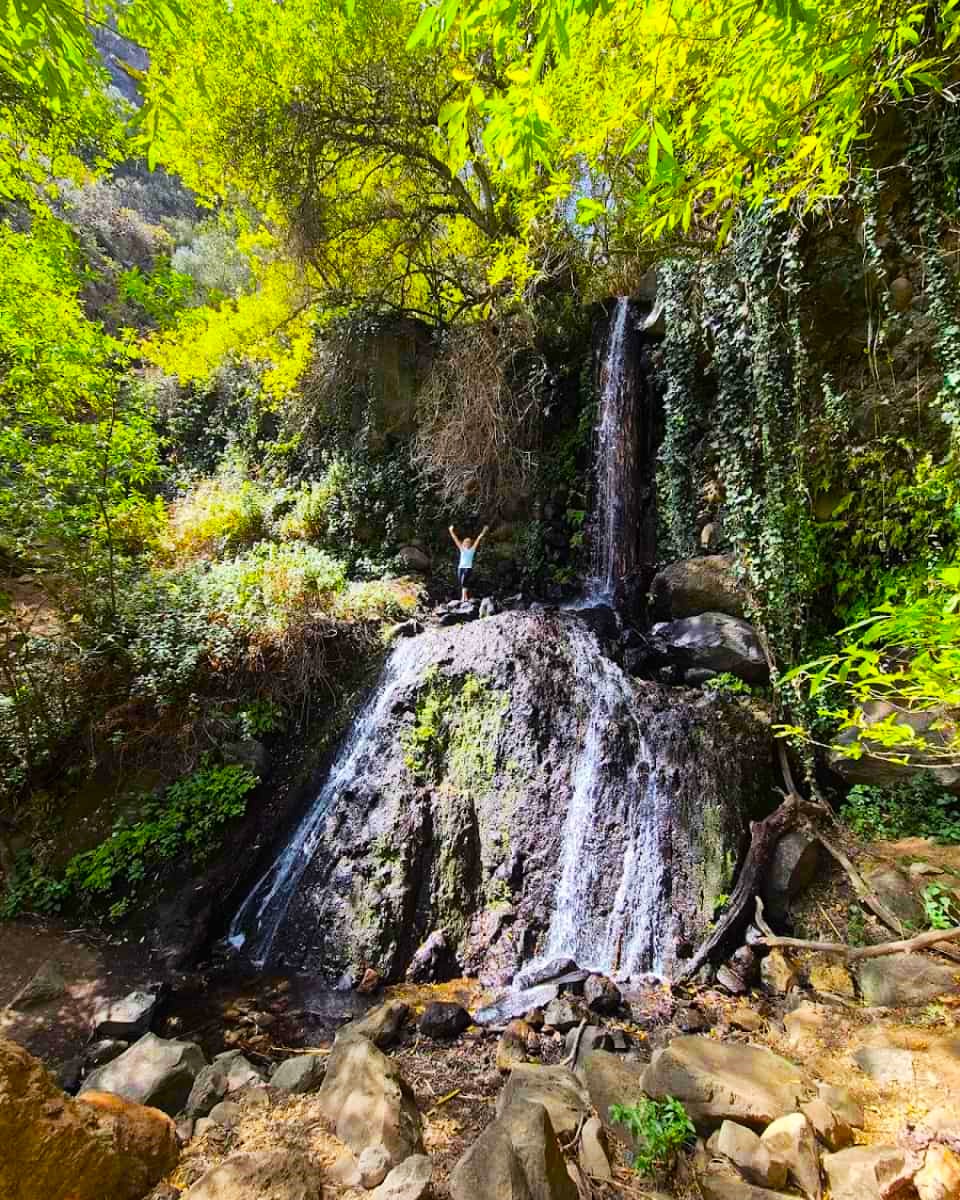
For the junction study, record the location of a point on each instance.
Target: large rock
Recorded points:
(516, 1004)
(304, 1073)
(535, 1145)
(718, 1082)
(263, 1175)
(153, 1071)
(57, 1148)
(127, 1019)
(897, 891)
(490, 1169)
(874, 769)
(443, 1021)
(611, 1080)
(904, 979)
(698, 585)
(754, 1158)
(433, 960)
(863, 1172)
(381, 1025)
(407, 1181)
(722, 1182)
(369, 1102)
(793, 866)
(557, 1089)
(791, 1139)
(716, 642)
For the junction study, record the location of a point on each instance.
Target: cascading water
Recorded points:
(261, 914)
(622, 936)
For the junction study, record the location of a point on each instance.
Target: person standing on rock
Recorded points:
(467, 548)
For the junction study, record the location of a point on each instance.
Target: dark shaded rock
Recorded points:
(433, 961)
(601, 994)
(716, 642)
(415, 558)
(248, 753)
(102, 1052)
(697, 676)
(209, 1088)
(535, 1144)
(896, 890)
(381, 1025)
(490, 1169)
(69, 1075)
(738, 974)
(869, 768)
(698, 585)
(592, 1037)
(407, 629)
(443, 1021)
(690, 1020)
(791, 869)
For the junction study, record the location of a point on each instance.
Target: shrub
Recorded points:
(661, 1127)
(217, 515)
(309, 519)
(918, 807)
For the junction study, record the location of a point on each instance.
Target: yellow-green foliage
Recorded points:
(217, 515)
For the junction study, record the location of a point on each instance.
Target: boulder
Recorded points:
(535, 1145)
(373, 1165)
(792, 867)
(610, 1080)
(932, 724)
(592, 1037)
(791, 1140)
(127, 1019)
(516, 1004)
(698, 585)
(209, 1088)
(381, 1025)
(593, 1156)
(415, 558)
(557, 1089)
(47, 983)
(863, 1172)
(827, 975)
(263, 1175)
(896, 889)
(601, 994)
(829, 1126)
(102, 1052)
(544, 973)
(842, 1103)
(369, 1102)
(939, 1177)
(145, 1137)
(227, 1114)
(299, 1075)
(488, 607)
(718, 1082)
(722, 1182)
(561, 1015)
(443, 1021)
(778, 973)
(904, 979)
(408, 1180)
(57, 1148)
(513, 1044)
(752, 1157)
(153, 1071)
(490, 1169)
(717, 642)
(239, 1070)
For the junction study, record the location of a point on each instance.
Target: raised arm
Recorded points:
(480, 535)
(453, 534)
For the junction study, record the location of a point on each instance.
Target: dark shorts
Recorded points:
(463, 574)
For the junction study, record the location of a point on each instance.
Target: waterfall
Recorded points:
(613, 793)
(615, 465)
(261, 914)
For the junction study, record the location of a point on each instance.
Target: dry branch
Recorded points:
(923, 941)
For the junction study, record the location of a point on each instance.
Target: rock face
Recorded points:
(153, 1071)
(715, 642)
(718, 1082)
(463, 828)
(697, 585)
(57, 1148)
(369, 1102)
(904, 979)
(266, 1175)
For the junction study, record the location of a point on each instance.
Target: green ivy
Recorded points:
(918, 807)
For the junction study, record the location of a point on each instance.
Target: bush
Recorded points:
(661, 1127)
(218, 515)
(918, 807)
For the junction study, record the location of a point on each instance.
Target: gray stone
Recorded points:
(717, 1082)
(490, 1169)
(870, 768)
(896, 889)
(557, 1089)
(592, 1154)
(209, 1088)
(415, 558)
(698, 585)
(717, 642)
(721, 1182)
(842, 1103)
(863, 1172)
(226, 1114)
(561, 1015)
(47, 983)
(102, 1052)
(203, 1125)
(300, 1075)
(791, 1140)
(443, 1021)
(601, 994)
(249, 753)
(153, 1071)
(488, 607)
(126, 1019)
(264, 1175)
(904, 979)
(546, 972)
(611, 1080)
(432, 960)
(516, 1004)
(381, 1025)
(791, 869)
(373, 1164)
(753, 1157)
(535, 1144)
(901, 293)
(592, 1037)
(367, 1099)
(828, 1125)
(408, 1180)
(238, 1070)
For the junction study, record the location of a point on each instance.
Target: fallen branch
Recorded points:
(922, 941)
(860, 886)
